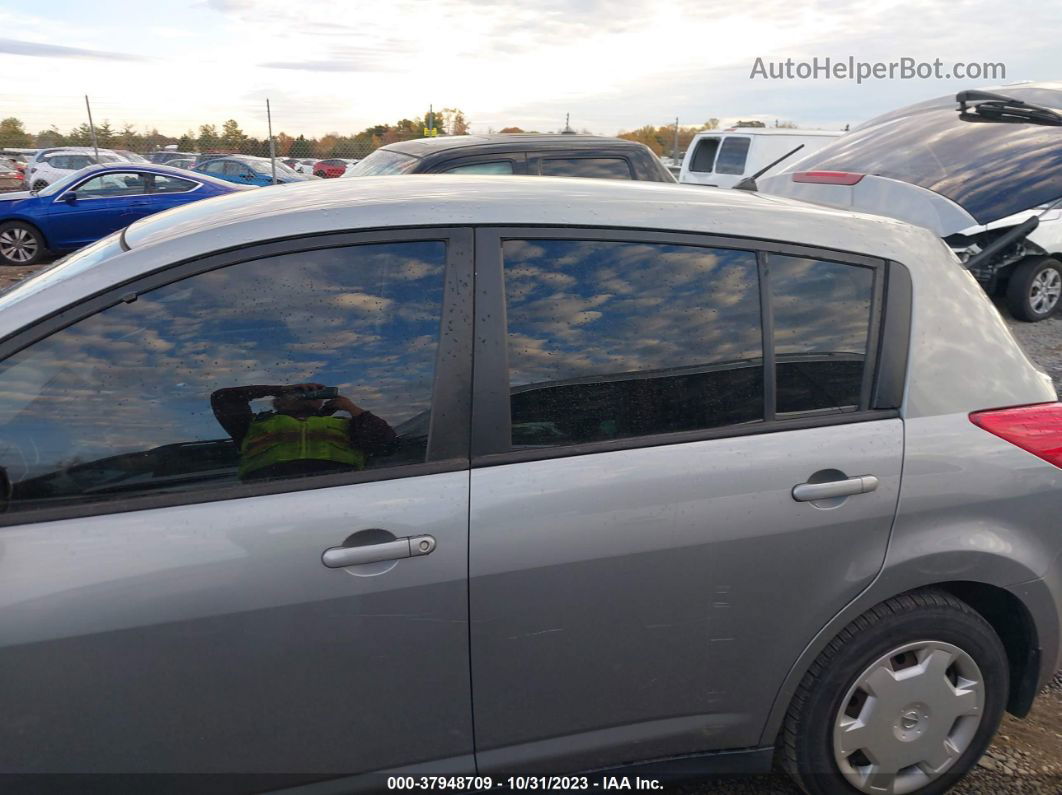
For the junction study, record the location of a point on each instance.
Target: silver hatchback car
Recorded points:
(493, 476)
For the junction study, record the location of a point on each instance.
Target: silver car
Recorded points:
(502, 477)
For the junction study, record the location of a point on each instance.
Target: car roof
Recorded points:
(772, 131)
(422, 147)
(433, 200)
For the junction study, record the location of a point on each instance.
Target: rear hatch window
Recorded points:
(990, 169)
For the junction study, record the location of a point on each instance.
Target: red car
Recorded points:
(330, 169)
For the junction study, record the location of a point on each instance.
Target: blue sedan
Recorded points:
(246, 170)
(91, 203)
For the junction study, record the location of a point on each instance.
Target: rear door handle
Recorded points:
(409, 547)
(808, 492)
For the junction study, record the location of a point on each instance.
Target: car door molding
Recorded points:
(448, 433)
(884, 369)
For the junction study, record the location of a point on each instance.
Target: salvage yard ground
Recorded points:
(1026, 756)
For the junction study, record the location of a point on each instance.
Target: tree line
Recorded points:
(230, 137)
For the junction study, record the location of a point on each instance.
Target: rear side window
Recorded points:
(163, 184)
(610, 340)
(593, 167)
(822, 318)
(704, 155)
(499, 167)
(271, 369)
(732, 156)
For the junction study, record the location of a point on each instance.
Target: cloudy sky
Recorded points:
(341, 66)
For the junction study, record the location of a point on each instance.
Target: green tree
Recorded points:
(80, 135)
(12, 133)
(300, 147)
(105, 135)
(50, 137)
(187, 142)
(232, 137)
(208, 137)
(750, 124)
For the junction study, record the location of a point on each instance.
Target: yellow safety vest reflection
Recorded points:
(279, 438)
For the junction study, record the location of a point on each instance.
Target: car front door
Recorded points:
(207, 566)
(94, 208)
(647, 559)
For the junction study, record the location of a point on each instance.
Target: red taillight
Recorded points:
(828, 177)
(1035, 429)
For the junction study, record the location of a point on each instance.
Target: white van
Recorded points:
(722, 158)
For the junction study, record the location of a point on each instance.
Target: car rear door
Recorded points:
(168, 607)
(651, 545)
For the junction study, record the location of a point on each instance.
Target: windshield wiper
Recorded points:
(987, 106)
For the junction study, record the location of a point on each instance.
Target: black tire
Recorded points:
(32, 243)
(806, 751)
(1023, 280)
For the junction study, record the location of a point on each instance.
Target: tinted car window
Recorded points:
(499, 167)
(196, 384)
(215, 166)
(704, 155)
(732, 156)
(609, 340)
(163, 184)
(822, 314)
(592, 167)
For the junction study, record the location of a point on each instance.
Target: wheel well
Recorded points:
(1012, 623)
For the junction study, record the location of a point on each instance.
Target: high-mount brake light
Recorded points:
(1037, 429)
(828, 177)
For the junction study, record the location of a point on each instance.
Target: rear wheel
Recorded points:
(904, 700)
(1034, 289)
(20, 244)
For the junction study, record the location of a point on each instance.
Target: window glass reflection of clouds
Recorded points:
(612, 340)
(140, 375)
(579, 308)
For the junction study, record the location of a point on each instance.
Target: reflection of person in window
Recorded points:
(300, 436)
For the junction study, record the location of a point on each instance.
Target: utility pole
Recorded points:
(674, 150)
(92, 128)
(272, 143)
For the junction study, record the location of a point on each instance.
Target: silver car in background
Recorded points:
(491, 476)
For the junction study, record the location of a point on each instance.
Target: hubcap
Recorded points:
(908, 717)
(1045, 290)
(17, 245)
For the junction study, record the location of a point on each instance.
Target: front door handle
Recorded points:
(408, 547)
(809, 492)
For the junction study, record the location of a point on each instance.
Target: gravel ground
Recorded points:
(1025, 757)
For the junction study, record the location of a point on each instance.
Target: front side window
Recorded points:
(383, 162)
(112, 184)
(611, 340)
(215, 166)
(732, 156)
(283, 367)
(592, 167)
(704, 155)
(822, 316)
